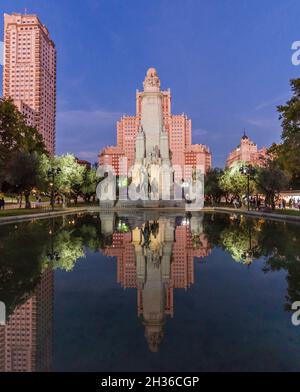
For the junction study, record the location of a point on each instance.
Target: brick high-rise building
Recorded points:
(29, 75)
(179, 128)
(247, 151)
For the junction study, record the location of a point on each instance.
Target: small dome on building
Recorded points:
(245, 137)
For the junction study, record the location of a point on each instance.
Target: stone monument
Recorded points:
(152, 171)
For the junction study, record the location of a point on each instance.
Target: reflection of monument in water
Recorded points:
(26, 339)
(153, 250)
(156, 256)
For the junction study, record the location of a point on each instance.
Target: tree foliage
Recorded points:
(89, 184)
(287, 153)
(248, 240)
(68, 181)
(212, 186)
(22, 173)
(270, 180)
(235, 183)
(20, 148)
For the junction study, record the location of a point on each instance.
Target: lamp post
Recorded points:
(252, 252)
(51, 176)
(52, 255)
(247, 255)
(249, 171)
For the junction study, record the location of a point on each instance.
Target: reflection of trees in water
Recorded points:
(25, 247)
(274, 241)
(281, 247)
(213, 226)
(234, 234)
(69, 249)
(240, 239)
(80, 234)
(22, 251)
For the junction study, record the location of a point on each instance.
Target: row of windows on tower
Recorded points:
(26, 21)
(21, 38)
(28, 28)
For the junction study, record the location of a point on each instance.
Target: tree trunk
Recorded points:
(273, 201)
(270, 200)
(63, 201)
(27, 201)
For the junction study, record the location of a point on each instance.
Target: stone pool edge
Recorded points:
(49, 214)
(42, 215)
(256, 214)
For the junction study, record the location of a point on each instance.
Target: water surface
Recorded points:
(149, 292)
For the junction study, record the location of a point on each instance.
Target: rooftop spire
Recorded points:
(245, 136)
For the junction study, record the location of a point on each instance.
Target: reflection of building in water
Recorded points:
(157, 257)
(26, 339)
(153, 251)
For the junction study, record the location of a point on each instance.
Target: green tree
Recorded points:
(233, 182)
(68, 182)
(15, 134)
(89, 184)
(11, 126)
(19, 144)
(32, 141)
(22, 174)
(270, 180)
(288, 152)
(212, 187)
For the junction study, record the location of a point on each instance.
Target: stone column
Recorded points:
(140, 147)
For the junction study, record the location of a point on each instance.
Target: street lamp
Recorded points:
(52, 172)
(52, 255)
(252, 252)
(249, 171)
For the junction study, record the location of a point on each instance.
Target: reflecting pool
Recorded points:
(149, 291)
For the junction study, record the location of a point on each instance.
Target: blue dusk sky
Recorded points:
(227, 62)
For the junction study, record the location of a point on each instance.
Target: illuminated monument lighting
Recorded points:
(154, 149)
(152, 152)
